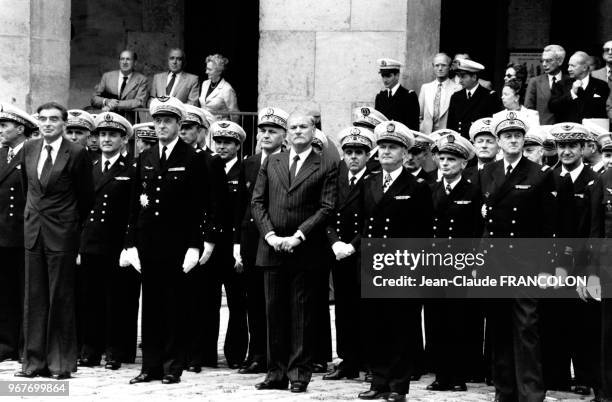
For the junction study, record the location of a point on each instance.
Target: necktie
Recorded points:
(170, 85)
(10, 155)
(387, 182)
(436, 110)
(123, 86)
(352, 182)
(47, 166)
(469, 95)
(388, 94)
(508, 170)
(106, 166)
(554, 80)
(448, 188)
(162, 160)
(293, 167)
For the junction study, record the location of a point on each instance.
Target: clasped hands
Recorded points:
(342, 250)
(286, 244)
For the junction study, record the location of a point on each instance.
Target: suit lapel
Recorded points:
(131, 83)
(215, 91)
(154, 158)
(396, 187)
(310, 165)
(32, 159)
(376, 188)
(516, 176)
(61, 159)
(8, 168)
(544, 85)
(103, 179)
(281, 165)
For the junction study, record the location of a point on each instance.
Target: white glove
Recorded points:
(208, 249)
(542, 283)
(238, 259)
(594, 287)
(131, 256)
(191, 259)
(560, 273)
(123, 262)
(342, 250)
(78, 260)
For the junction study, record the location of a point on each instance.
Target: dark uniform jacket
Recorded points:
(236, 202)
(105, 226)
(463, 112)
(12, 200)
(589, 103)
(403, 107)
(216, 212)
(458, 213)
(249, 234)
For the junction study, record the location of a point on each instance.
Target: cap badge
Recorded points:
(383, 63)
(365, 111)
(269, 112)
(163, 98)
(390, 127)
(450, 138)
(567, 127)
(486, 121)
(511, 115)
(223, 125)
(355, 131)
(108, 117)
(75, 113)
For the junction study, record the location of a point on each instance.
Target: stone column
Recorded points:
(323, 54)
(35, 49)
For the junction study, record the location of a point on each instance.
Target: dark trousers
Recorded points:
(557, 320)
(289, 306)
(605, 361)
(256, 314)
(391, 337)
(11, 301)
(449, 335)
(322, 323)
(347, 294)
(585, 333)
(49, 312)
(163, 310)
(516, 347)
(105, 315)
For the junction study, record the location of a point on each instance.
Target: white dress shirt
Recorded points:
(471, 91)
(169, 148)
(120, 81)
(513, 164)
(574, 173)
(394, 89)
(16, 149)
(111, 160)
(585, 82)
(416, 172)
(356, 176)
(264, 154)
(557, 77)
(452, 183)
(176, 80)
(394, 175)
(303, 155)
(229, 164)
(43, 153)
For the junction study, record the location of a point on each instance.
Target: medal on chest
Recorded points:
(144, 200)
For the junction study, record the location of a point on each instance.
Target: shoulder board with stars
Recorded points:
(545, 168)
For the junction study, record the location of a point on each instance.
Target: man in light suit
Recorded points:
(605, 74)
(435, 96)
(538, 88)
(293, 199)
(60, 192)
(122, 90)
(176, 82)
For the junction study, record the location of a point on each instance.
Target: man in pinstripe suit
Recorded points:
(293, 197)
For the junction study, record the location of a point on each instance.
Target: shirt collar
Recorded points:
(513, 164)
(17, 148)
(169, 147)
(358, 175)
(598, 166)
(574, 173)
(394, 174)
(585, 81)
(230, 164)
(558, 76)
(111, 160)
(394, 89)
(264, 154)
(416, 172)
(471, 91)
(452, 183)
(55, 144)
(303, 155)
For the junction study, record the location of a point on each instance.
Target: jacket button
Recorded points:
(156, 213)
(12, 198)
(103, 204)
(12, 188)
(369, 227)
(11, 214)
(105, 196)
(513, 222)
(452, 221)
(490, 220)
(91, 219)
(157, 189)
(514, 209)
(490, 233)
(102, 220)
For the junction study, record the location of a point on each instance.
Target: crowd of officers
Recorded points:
(189, 221)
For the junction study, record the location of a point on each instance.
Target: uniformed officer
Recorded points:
(534, 144)
(418, 157)
(16, 127)
(78, 130)
(580, 210)
(392, 199)
(605, 141)
(107, 295)
(145, 136)
(396, 102)
(369, 117)
(225, 266)
(519, 201)
(592, 152)
(36, 132)
(343, 233)
(203, 315)
(473, 102)
(456, 203)
(485, 145)
(164, 235)
(271, 131)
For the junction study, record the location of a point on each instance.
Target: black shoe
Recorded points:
(340, 373)
(171, 379)
(233, 366)
(459, 387)
(143, 377)
(582, 390)
(253, 368)
(112, 365)
(438, 386)
(319, 368)
(265, 384)
(395, 397)
(299, 386)
(60, 376)
(87, 362)
(372, 394)
(27, 374)
(194, 369)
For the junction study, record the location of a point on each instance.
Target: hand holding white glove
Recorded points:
(130, 258)
(238, 259)
(593, 287)
(208, 249)
(191, 259)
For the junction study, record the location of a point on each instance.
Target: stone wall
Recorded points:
(35, 44)
(322, 55)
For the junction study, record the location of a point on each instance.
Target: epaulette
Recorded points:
(545, 168)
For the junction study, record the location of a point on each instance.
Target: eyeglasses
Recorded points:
(607, 49)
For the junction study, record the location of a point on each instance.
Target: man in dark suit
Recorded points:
(176, 82)
(271, 131)
(519, 201)
(456, 203)
(15, 128)
(104, 290)
(122, 90)
(395, 101)
(539, 88)
(605, 74)
(471, 103)
(343, 234)
(167, 208)
(57, 174)
(294, 196)
(390, 199)
(580, 96)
